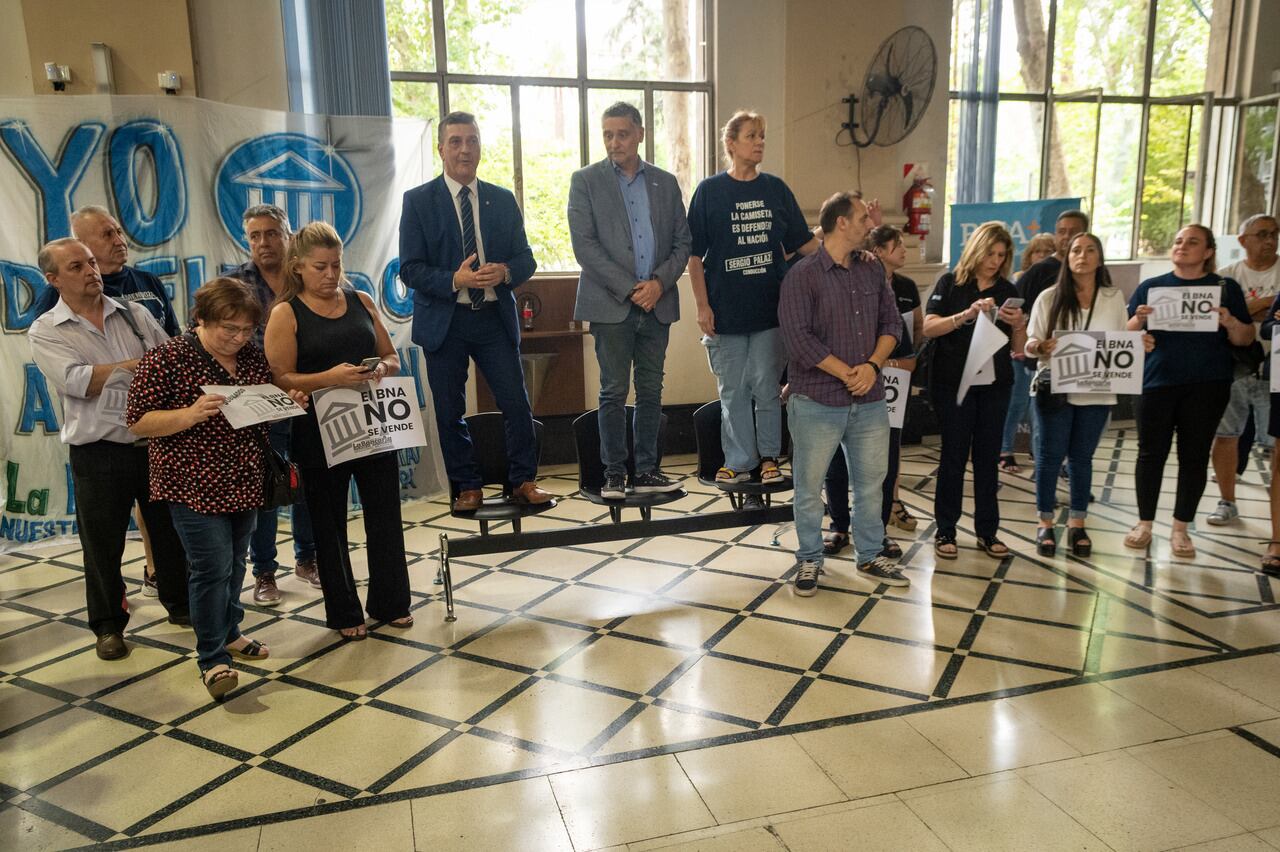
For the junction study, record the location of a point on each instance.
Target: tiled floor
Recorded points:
(672, 692)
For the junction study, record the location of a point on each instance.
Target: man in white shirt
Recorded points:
(88, 344)
(1259, 276)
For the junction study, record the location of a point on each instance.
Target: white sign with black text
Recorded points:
(247, 405)
(897, 392)
(1097, 362)
(1184, 308)
(1275, 369)
(367, 419)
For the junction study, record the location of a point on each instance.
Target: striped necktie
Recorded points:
(476, 294)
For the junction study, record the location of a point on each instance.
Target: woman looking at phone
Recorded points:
(324, 334)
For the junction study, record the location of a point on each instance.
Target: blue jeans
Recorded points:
(1020, 406)
(748, 368)
(1072, 432)
(262, 546)
(817, 431)
(639, 340)
(216, 547)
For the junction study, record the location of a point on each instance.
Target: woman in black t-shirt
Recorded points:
(972, 427)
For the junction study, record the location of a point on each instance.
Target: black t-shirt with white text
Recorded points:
(949, 298)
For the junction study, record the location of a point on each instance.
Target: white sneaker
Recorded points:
(1224, 514)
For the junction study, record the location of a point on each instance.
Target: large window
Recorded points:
(1107, 101)
(538, 74)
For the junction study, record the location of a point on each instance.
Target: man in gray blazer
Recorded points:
(631, 238)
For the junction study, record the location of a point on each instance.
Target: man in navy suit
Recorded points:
(462, 251)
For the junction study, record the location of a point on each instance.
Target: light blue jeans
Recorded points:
(639, 341)
(817, 431)
(748, 368)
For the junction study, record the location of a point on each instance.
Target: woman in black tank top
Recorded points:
(318, 334)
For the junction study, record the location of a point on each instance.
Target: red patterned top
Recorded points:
(210, 468)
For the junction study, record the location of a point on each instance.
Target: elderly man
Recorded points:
(1259, 277)
(267, 231)
(840, 324)
(462, 251)
(79, 344)
(631, 238)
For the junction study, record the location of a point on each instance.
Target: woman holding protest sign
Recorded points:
(1186, 382)
(323, 334)
(1071, 424)
(210, 472)
(972, 426)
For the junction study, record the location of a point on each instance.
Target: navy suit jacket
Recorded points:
(431, 251)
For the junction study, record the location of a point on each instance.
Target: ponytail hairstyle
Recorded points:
(309, 237)
(733, 127)
(1210, 262)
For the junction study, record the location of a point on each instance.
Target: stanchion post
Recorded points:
(447, 576)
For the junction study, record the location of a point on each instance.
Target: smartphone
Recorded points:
(1015, 302)
(371, 364)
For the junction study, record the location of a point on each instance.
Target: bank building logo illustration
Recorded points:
(304, 176)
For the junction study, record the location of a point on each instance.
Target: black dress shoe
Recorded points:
(111, 647)
(180, 619)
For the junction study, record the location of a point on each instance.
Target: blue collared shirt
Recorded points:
(635, 194)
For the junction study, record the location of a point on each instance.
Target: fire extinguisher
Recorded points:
(917, 203)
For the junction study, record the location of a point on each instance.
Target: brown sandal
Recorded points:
(1271, 561)
(219, 680)
(401, 623)
(1184, 549)
(769, 472)
(1139, 538)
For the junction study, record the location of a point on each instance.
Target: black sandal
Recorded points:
(834, 542)
(942, 540)
(889, 549)
(1081, 545)
(989, 545)
(1271, 561)
(1046, 542)
(1009, 464)
(219, 681)
(361, 633)
(254, 650)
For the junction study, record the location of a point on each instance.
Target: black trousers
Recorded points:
(1192, 412)
(378, 481)
(972, 430)
(837, 485)
(108, 479)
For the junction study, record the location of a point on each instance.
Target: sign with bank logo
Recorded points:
(1097, 362)
(897, 393)
(1184, 308)
(372, 418)
(250, 404)
(178, 173)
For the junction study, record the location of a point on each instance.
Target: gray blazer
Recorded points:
(601, 235)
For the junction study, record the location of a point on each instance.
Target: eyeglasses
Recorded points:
(234, 331)
(1265, 235)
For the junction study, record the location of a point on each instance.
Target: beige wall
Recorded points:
(15, 59)
(829, 46)
(751, 72)
(239, 52)
(145, 36)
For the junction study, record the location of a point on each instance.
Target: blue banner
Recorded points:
(1023, 219)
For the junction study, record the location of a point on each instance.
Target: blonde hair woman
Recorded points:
(1041, 246)
(321, 334)
(972, 429)
(745, 223)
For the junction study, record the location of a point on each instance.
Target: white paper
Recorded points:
(247, 405)
(979, 368)
(371, 418)
(897, 390)
(1184, 308)
(1097, 362)
(114, 397)
(1275, 368)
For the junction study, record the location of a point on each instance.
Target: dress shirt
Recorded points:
(474, 187)
(826, 309)
(635, 194)
(250, 274)
(66, 347)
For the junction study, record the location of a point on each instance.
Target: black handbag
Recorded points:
(1247, 360)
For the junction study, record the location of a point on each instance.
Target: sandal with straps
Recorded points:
(360, 633)
(1139, 537)
(1271, 561)
(769, 472)
(403, 623)
(1181, 546)
(1009, 464)
(833, 542)
(942, 540)
(900, 517)
(219, 680)
(993, 547)
(252, 649)
(729, 476)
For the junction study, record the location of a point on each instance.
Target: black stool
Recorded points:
(586, 435)
(489, 443)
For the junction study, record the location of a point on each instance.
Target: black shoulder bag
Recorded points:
(281, 482)
(1247, 360)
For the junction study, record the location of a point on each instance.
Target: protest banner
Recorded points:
(1097, 362)
(250, 404)
(1184, 308)
(361, 421)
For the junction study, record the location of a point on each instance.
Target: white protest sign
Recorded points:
(978, 367)
(367, 419)
(1097, 362)
(250, 404)
(1275, 369)
(897, 390)
(1184, 308)
(114, 397)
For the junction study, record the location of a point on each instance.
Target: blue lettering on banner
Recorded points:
(396, 298)
(134, 146)
(194, 268)
(165, 267)
(25, 532)
(362, 283)
(37, 404)
(71, 492)
(22, 287)
(54, 183)
(306, 177)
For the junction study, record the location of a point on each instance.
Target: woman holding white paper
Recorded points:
(211, 473)
(971, 415)
(1186, 384)
(1071, 424)
(324, 334)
